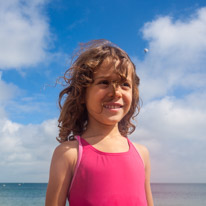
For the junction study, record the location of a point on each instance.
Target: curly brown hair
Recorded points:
(73, 117)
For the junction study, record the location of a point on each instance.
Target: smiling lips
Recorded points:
(112, 106)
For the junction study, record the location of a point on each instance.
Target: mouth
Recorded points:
(112, 106)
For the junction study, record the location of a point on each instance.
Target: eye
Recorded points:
(126, 84)
(104, 82)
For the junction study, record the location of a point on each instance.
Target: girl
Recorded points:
(99, 165)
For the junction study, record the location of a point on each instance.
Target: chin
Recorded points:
(111, 122)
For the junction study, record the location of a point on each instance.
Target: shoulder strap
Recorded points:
(80, 151)
(136, 149)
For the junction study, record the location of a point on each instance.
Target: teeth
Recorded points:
(112, 106)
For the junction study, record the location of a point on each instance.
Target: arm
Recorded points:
(145, 156)
(147, 179)
(61, 172)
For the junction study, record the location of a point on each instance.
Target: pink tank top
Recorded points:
(107, 179)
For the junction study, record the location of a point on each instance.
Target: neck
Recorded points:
(101, 130)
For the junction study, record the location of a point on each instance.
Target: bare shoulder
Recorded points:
(66, 148)
(66, 152)
(141, 148)
(143, 151)
(62, 165)
(61, 172)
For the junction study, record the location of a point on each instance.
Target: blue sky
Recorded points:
(37, 39)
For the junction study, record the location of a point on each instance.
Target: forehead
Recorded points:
(111, 68)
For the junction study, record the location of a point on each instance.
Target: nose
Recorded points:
(115, 90)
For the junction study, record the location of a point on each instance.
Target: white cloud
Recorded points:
(180, 37)
(24, 35)
(179, 121)
(7, 91)
(26, 148)
(175, 133)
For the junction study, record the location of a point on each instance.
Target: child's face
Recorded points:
(107, 100)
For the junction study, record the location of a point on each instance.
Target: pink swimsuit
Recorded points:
(107, 179)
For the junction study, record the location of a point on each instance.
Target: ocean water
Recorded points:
(179, 194)
(33, 194)
(22, 194)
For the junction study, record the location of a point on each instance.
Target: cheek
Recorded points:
(128, 101)
(93, 99)
(128, 97)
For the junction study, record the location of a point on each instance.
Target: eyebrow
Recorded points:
(101, 77)
(106, 77)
